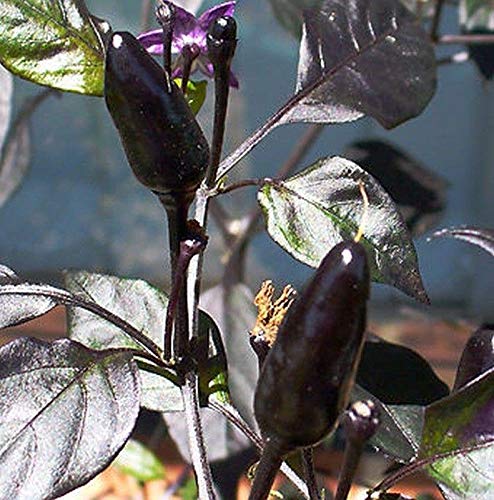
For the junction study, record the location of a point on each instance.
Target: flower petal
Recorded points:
(223, 9)
(185, 24)
(152, 41)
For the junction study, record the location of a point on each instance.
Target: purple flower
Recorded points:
(190, 32)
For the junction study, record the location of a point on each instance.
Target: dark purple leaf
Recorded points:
(477, 356)
(357, 57)
(460, 428)
(66, 412)
(21, 302)
(397, 375)
(141, 305)
(483, 238)
(418, 192)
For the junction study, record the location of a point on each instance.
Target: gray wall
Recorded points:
(80, 207)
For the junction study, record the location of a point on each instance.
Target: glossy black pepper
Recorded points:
(162, 140)
(306, 378)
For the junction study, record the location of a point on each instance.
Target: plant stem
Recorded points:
(309, 473)
(177, 225)
(466, 39)
(189, 55)
(221, 93)
(353, 451)
(436, 20)
(232, 415)
(165, 15)
(197, 447)
(266, 472)
(240, 185)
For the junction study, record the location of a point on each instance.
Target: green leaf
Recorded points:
(139, 462)
(66, 412)
(189, 490)
(195, 93)
(462, 425)
(6, 84)
(476, 14)
(213, 370)
(141, 305)
(54, 43)
(311, 212)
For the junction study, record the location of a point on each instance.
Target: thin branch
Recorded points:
(300, 150)
(466, 39)
(197, 446)
(240, 185)
(309, 473)
(408, 469)
(232, 415)
(436, 19)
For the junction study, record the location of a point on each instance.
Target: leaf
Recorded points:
(476, 14)
(477, 356)
(138, 303)
(483, 238)
(213, 370)
(23, 302)
(139, 462)
(235, 314)
(195, 94)
(16, 153)
(66, 412)
(6, 84)
(363, 57)
(397, 375)
(53, 43)
(477, 18)
(418, 192)
(398, 435)
(462, 425)
(310, 213)
(357, 57)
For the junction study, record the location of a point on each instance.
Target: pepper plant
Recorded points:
(68, 407)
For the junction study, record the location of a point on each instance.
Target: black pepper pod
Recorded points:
(307, 376)
(163, 142)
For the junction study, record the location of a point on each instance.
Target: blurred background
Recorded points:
(80, 207)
